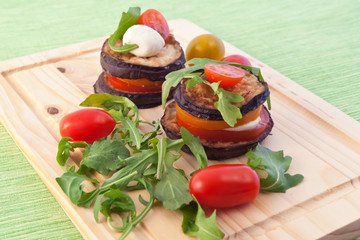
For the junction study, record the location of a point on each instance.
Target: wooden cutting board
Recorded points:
(37, 90)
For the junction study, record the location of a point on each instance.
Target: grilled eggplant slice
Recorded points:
(214, 150)
(129, 66)
(200, 99)
(142, 100)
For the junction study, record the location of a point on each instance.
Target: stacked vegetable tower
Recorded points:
(137, 57)
(222, 104)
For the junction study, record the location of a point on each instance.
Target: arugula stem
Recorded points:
(106, 187)
(137, 219)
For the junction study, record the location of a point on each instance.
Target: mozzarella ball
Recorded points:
(149, 41)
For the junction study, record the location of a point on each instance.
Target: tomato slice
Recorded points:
(235, 58)
(214, 124)
(134, 85)
(154, 19)
(227, 75)
(228, 134)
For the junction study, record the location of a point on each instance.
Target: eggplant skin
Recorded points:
(199, 100)
(214, 150)
(141, 100)
(118, 65)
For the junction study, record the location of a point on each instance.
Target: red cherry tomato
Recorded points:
(237, 59)
(225, 185)
(227, 75)
(89, 125)
(154, 19)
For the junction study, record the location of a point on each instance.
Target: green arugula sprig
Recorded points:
(128, 19)
(149, 166)
(228, 111)
(271, 168)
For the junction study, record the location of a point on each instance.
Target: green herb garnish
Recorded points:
(149, 166)
(271, 167)
(128, 19)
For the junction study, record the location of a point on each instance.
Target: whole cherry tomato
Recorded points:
(237, 59)
(154, 19)
(89, 125)
(205, 46)
(227, 75)
(225, 185)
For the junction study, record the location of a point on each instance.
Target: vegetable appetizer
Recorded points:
(220, 102)
(138, 56)
(218, 112)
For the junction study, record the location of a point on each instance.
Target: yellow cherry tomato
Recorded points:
(205, 46)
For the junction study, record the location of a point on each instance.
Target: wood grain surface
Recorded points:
(37, 90)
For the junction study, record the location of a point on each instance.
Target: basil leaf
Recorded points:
(196, 224)
(103, 156)
(128, 19)
(173, 188)
(195, 146)
(275, 165)
(70, 183)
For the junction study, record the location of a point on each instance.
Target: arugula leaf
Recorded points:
(229, 112)
(70, 183)
(134, 134)
(195, 146)
(161, 148)
(138, 163)
(128, 19)
(117, 106)
(103, 156)
(173, 79)
(117, 201)
(173, 188)
(271, 169)
(125, 48)
(195, 223)
(64, 148)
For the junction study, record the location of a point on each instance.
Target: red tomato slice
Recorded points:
(237, 59)
(227, 75)
(89, 125)
(225, 185)
(214, 124)
(154, 19)
(134, 85)
(229, 134)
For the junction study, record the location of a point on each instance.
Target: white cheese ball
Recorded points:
(149, 41)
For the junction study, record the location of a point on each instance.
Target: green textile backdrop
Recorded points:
(315, 43)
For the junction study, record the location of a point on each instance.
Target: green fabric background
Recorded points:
(315, 43)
